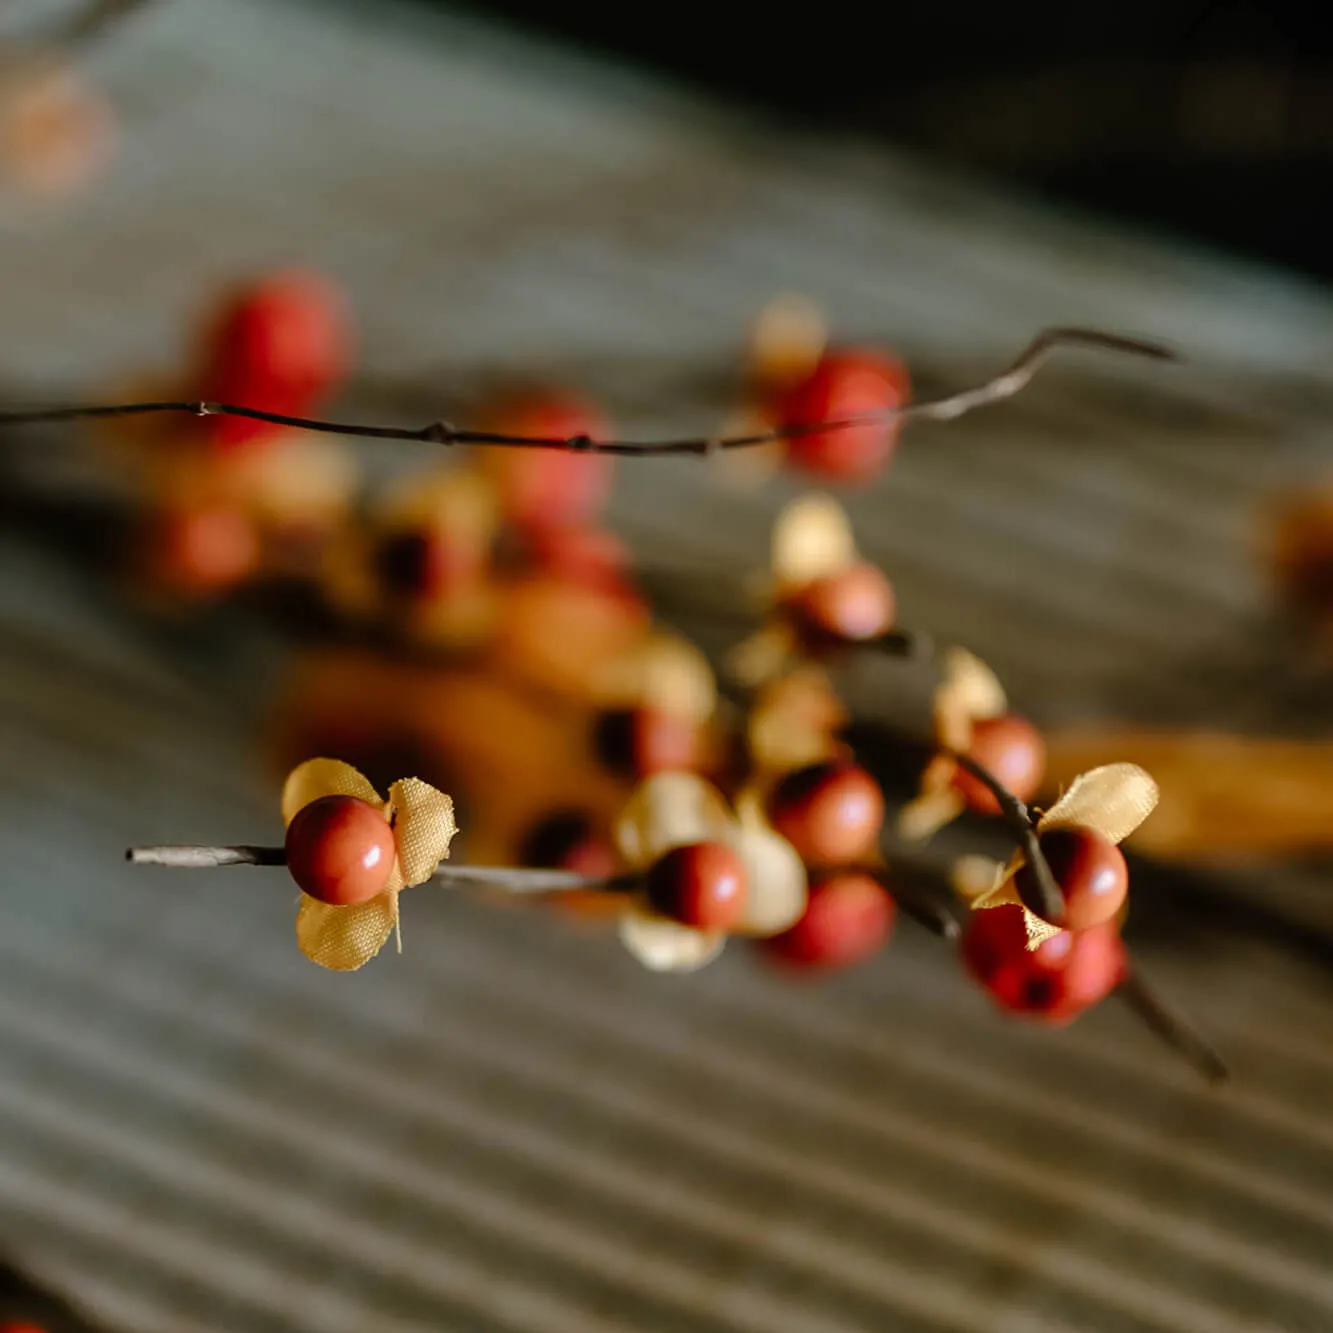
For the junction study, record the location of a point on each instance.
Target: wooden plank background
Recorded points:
(512, 1127)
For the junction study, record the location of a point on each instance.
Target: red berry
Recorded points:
(279, 345)
(550, 488)
(340, 850)
(420, 566)
(567, 840)
(857, 603)
(204, 550)
(831, 813)
(638, 742)
(1057, 981)
(845, 383)
(1091, 873)
(848, 917)
(582, 555)
(701, 885)
(1012, 750)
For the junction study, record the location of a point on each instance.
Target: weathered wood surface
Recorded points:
(512, 1127)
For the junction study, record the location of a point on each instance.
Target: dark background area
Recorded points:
(1213, 120)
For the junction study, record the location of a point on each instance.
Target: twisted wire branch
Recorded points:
(1002, 386)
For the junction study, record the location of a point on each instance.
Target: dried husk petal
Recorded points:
(973, 877)
(662, 945)
(787, 341)
(1112, 800)
(424, 826)
(776, 883)
(346, 938)
(317, 778)
(669, 810)
(812, 539)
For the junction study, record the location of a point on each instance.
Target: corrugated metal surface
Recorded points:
(512, 1127)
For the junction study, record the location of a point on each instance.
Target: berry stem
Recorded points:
(1050, 901)
(505, 878)
(918, 904)
(1172, 1027)
(1002, 386)
(914, 644)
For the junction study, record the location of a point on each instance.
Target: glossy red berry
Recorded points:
(849, 917)
(549, 488)
(340, 850)
(581, 555)
(279, 345)
(830, 812)
(857, 603)
(1012, 750)
(638, 742)
(701, 885)
(204, 550)
(426, 564)
(1091, 873)
(1053, 983)
(567, 840)
(845, 383)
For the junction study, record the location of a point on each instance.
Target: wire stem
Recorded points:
(505, 878)
(1002, 386)
(1172, 1027)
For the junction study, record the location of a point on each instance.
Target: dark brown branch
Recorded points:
(1004, 385)
(1172, 1027)
(918, 904)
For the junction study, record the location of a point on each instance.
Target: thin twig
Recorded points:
(1172, 1027)
(533, 881)
(914, 644)
(1002, 386)
(510, 880)
(920, 906)
(1050, 904)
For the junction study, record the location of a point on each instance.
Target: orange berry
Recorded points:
(340, 850)
(1091, 873)
(581, 555)
(701, 885)
(845, 383)
(278, 345)
(1055, 982)
(426, 564)
(848, 917)
(857, 603)
(204, 550)
(637, 742)
(1012, 750)
(549, 488)
(567, 840)
(830, 812)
